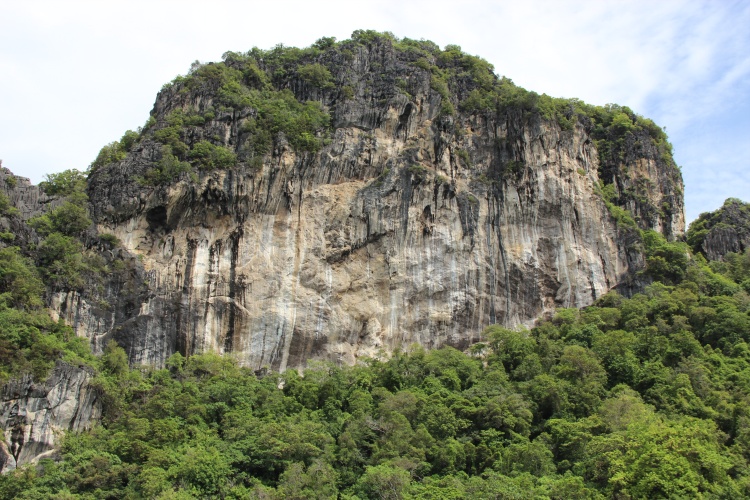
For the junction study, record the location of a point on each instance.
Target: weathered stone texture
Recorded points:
(34, 415)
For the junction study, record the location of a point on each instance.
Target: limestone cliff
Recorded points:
(414, 198)
(34, 415)
(717, 233)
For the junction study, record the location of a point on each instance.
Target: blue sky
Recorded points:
(75, 75)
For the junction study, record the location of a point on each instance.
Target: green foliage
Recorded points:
(109, 239)
(116, 151)
(619, 399)
(622, 217)
(5, 206)
(347, 92)
(172, 134)
(168, 169)
(111, 153)
(208, 156)
(30, 341)
(65, 265)
(418, 173)
(65, 183)
(464, 156)
(149, 123)
(20, 285)
(383, 481)
(734, 216)
(369, 37)
(316, 75)
(70, 219)
(129, 139)
(325, 43)
(281, 113)
(666, 262)
(439, 83)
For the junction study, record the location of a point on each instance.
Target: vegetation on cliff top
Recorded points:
(287, 95)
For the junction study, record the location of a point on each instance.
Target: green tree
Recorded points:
(20, 285)
(64, 183)
(70, 219)
(316, 74)
(383, 482)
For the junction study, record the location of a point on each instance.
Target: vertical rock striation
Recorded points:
(413, 223)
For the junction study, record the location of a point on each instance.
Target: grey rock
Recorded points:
(722, 231)
(29, 199)
(34, 415)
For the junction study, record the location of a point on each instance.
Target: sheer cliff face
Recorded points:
(411, 225)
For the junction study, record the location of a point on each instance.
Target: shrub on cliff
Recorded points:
(316, 74)
(70, 219)
(65, 183)
(209, 156)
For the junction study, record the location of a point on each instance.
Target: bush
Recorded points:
(65, 183)
(418, 173)
(665, 261)
(208, 156)
(281, 112)
(20, 285)
(167, 169)
(61, 260)
(70, 219)
(109, 239)
(316, 75)
(111, 153)
(128, 140)
(4, 204)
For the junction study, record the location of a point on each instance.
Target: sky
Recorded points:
(75, 75)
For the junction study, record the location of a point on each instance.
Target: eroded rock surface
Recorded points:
(717, 233)
(34, 415)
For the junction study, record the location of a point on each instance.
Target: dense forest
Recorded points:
(645, 396)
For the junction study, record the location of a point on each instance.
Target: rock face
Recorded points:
(412, 224)
(34, 415)
(29, 199)
(715, 234)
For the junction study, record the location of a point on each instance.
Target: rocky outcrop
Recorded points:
(35, 415)
(647, 183)
(717, 233)
(413, 223)
(27, 201)
(26, 197)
